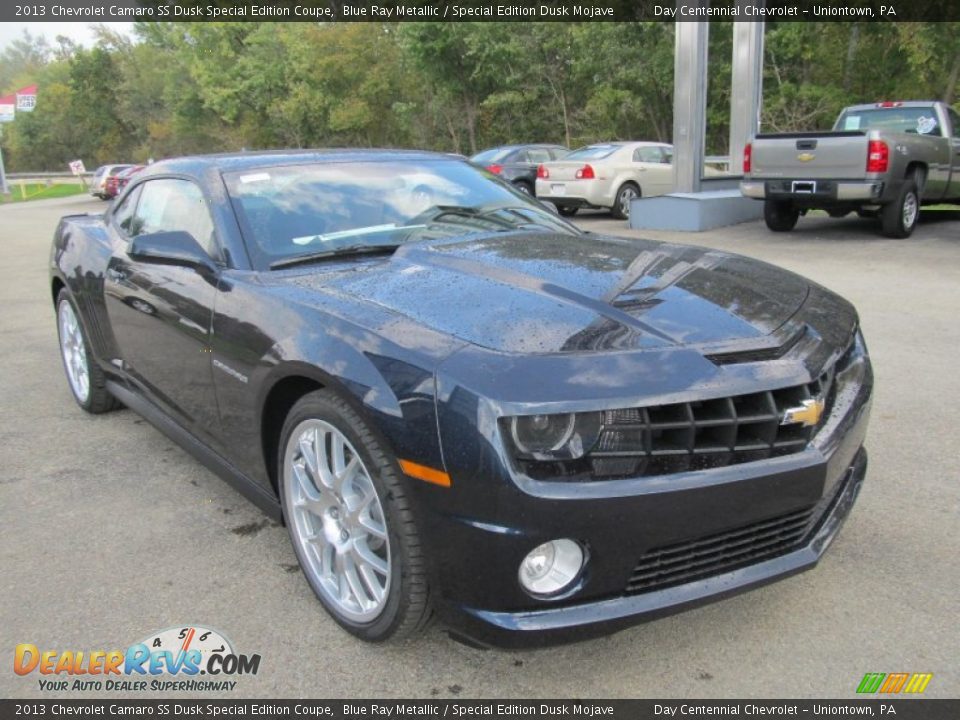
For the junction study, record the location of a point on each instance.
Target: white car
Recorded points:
(606, 175)
(98, 187)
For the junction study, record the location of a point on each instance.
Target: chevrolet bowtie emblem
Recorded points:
(805, 157)
(808, 414)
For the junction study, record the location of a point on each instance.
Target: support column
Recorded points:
(689, 104)
(746, 91)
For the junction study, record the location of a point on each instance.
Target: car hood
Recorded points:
(545, 293)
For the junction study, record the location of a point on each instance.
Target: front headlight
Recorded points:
(567, 436)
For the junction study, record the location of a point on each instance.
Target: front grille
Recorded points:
(705, 434)
(723, 552)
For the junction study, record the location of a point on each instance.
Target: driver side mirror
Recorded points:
(175, 247)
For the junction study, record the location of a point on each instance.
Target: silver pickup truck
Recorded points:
(881, 160)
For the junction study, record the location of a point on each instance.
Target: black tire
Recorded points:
(567, 210)
(407, 608)
(524, 187)
(98, 399)
(627, 189)
(897, 219)
(780, 215)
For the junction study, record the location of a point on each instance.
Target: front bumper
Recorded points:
(547, 626)
(807, 191)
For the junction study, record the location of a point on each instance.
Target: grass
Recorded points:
(39, 191)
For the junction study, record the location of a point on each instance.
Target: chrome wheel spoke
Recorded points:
(368, 558)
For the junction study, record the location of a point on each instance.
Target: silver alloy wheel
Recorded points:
(910, 210)
(337, 520)
(626, 195)
(74, 351)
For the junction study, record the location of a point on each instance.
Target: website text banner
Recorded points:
(478, 10)
(901, 709)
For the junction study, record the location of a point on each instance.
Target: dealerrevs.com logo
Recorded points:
(191, 658)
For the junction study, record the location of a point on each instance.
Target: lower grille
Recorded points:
(716, 554)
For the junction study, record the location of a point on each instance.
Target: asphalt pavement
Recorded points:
(108, 531)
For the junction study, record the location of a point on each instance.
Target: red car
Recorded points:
(118, 182)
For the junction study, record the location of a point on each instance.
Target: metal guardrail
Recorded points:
(45, 175)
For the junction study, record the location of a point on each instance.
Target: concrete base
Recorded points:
(694, 212)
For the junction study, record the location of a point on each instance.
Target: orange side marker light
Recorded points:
(427, 474)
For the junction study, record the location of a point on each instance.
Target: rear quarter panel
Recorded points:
(79, 256)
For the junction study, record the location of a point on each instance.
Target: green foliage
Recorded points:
(180, 88)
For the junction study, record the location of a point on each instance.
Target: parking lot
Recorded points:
(109, 531)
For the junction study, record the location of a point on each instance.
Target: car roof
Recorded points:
(229, 162)
(897, 104)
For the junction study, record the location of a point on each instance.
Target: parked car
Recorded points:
(884, 159)
(458, 402)
(98, 186)
(116, 183)
(518, 163)
(607, 175)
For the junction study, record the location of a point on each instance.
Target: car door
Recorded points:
(653, 170)
(161, 314)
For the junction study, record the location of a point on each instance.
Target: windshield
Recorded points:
(331, 209)
(919, 120)
(593, 152)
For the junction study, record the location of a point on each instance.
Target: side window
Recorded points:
(169, 204)
(648, 155)
(517, 156)
(538, 155)
(123, 214)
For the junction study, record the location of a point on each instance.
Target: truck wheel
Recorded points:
(780, 215)
(899, 218)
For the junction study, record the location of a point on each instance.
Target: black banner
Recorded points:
(900, 708)
(478, 10)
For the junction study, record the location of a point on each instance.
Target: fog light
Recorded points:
(551, 567)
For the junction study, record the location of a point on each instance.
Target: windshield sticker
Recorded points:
(256, 177)
(926, 125)
(852, 122)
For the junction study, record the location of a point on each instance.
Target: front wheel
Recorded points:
(780, 216)
(85, 378)
(350, 521)
(899, 218)
(621, 205)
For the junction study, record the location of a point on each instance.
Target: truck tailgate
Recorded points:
(819, 155)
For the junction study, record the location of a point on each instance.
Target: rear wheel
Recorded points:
(780, 215)
(523, 187)
(567, 210)
(899, 218)
(625, 195)
(85, 378)
(350, 521)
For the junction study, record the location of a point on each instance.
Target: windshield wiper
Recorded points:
(336, 252)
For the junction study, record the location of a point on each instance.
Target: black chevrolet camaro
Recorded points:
(459, 403)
